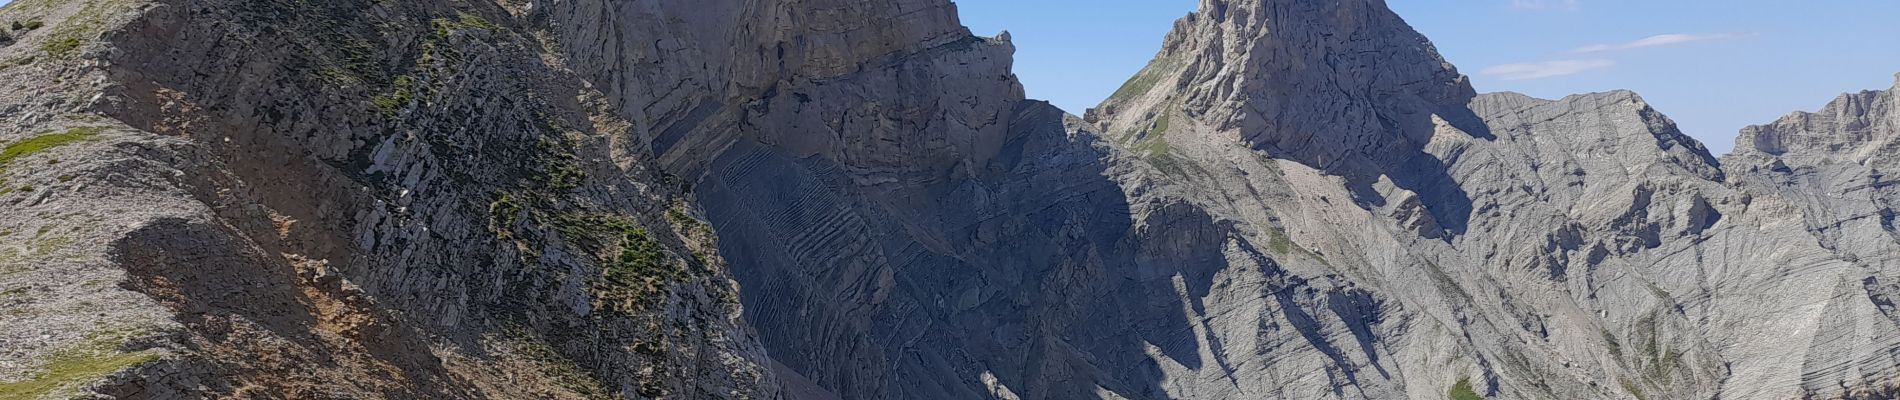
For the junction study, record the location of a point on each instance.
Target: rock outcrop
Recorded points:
(343, 199)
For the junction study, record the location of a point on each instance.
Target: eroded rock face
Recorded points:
(1833, 165)
(1578, 248)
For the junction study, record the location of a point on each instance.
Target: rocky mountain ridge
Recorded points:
(343, 200)
(555, 199)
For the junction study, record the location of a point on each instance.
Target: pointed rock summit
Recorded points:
(1342, 85)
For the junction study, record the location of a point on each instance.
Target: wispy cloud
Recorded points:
(1546, 69)
(1544, 4)
(1658, 40)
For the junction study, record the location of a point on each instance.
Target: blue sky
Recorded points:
(1713, 66)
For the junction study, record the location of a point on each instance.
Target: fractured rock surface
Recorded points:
(341, 200)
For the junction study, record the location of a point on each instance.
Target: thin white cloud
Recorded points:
(1546, 69)
(1658, 40)
(1540, 5)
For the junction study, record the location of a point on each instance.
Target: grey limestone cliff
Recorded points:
(1832, 164)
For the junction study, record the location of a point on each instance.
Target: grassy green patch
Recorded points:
(558, 367)
(47, 246)
(71, 370)
(1153, 146)
(633, 268)
(1463, 391)
(1156, 146)
(1616, 348)
(503, 213)
(1279, 241)
(564, 175)
(8, 259)
(637, 272)
(81, 365)
(61, 47)
(1162, 125)
(44, 142)
(1282, 245)
(462, 21)
(1633, 389)
(338, 76)
(1169, 164)
(77, 30)
(591, 232)
(1154, 140)
(1661, 360)
(1145, 80)
(561, 169)
(28, 60)
(684, 221)
(400, 95)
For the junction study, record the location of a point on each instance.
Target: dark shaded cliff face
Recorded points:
(892, 201)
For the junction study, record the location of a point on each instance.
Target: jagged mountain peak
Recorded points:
(1344, 87)
(1854, 127)
(1248, 64)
